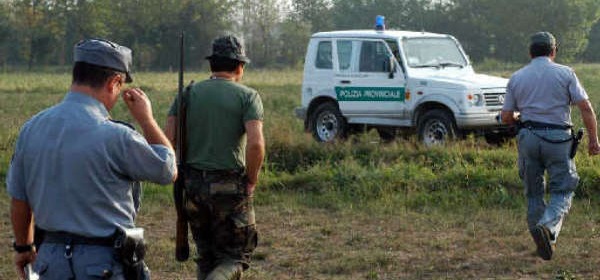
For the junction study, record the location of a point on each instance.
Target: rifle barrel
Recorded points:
(180, 99)
(181, 240)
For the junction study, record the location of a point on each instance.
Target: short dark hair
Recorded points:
(540, 50)
(92, 75)
(223, 64)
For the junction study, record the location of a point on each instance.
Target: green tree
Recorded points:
(30, 31)
(5, 32)
(202, 20)
(150, 29)
(292, 42)
(591, 53)
(399, 14)
(501, 29)
(316, 13)
(259, 21)
(57, 15)
(44, 31)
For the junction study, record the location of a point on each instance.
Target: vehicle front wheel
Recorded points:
(436, 127)
(327, 123)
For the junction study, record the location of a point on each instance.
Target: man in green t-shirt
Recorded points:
(224, 153)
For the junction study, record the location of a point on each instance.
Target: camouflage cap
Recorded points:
(229, 47)
(105, 53)
(543, 38)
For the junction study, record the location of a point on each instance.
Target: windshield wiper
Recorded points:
(446, 64)
(426, 66)
(439, 65)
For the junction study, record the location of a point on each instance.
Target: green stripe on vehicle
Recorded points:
(370, 93)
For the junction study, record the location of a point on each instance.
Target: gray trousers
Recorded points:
(537, 156)
(86, 262)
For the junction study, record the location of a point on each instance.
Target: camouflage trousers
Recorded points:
(221, 217)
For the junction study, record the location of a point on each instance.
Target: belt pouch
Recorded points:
(131, 249)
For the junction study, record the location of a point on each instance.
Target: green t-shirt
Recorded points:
(217, 110)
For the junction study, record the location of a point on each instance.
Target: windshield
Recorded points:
(433, 52)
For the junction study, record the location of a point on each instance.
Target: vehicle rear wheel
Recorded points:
(436, 127)
(327, 123)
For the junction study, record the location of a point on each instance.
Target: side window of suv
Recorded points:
(374, 57)
(344, 51)
(324, 60)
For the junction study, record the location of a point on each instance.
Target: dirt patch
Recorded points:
(304, 243)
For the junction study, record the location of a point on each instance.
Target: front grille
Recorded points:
(494, 98)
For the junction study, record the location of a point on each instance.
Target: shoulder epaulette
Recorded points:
(123, 123)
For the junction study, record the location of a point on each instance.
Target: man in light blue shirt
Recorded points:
(542, 92)
(76, 171)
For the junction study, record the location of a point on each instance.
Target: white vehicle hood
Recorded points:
(458, 80)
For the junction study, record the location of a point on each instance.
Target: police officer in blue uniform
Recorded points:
(542, 92)
(75, 171)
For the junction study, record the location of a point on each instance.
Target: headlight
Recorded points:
(475, 99)
(478, 99)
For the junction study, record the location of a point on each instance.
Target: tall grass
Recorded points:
(467, 189)
(358, 170)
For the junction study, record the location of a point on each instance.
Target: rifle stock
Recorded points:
(182, 247)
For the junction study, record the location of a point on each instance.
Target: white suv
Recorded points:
(396, 81)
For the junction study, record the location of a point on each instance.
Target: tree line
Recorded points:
(36, 33)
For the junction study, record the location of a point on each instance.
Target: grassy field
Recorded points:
(354, 210)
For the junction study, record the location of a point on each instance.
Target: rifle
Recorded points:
(182, 247)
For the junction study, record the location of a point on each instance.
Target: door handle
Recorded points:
(345, 81)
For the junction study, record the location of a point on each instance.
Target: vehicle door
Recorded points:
(369, 81)
(318, 72)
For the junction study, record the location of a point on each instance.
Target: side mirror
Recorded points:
(392, 67)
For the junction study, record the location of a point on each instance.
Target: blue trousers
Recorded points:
(86, 262)
(537, 156)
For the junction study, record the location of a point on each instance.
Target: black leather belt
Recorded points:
(541, 125)
(60, 237)
(215, 173)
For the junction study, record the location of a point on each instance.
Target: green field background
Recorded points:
(358, 209)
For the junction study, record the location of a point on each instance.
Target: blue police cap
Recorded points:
(105, 53)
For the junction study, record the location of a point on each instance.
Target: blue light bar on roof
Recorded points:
(380, 23)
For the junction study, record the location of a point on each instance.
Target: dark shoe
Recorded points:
(226, 271)
(541, 236)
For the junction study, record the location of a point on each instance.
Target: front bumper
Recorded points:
(300, 113)
(478, 120)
